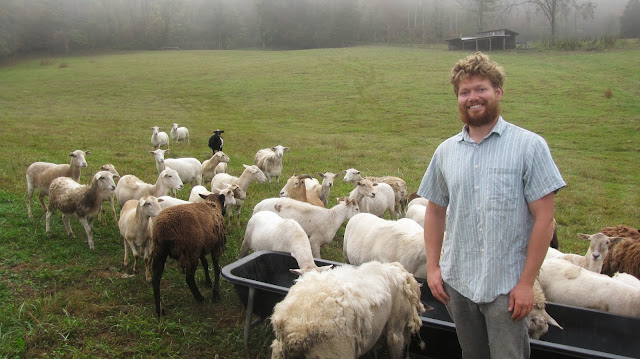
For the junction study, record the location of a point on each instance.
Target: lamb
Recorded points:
(40, 175)
(323, 189)
(398, 185)
(189, 169)
(296, 189)
(131, 187)
(320, 224)
(179, 133)
(375, 198)
(566, 283)
(135, 228)
(79, 201)
(266, 231)
(368, 237)
(269, 160)
(539, 319)
(111, 198)
(211, 167)
(249, 175)
(598, 248)
(187, 233)
(159, 139)
(216, 142)
(343, 312)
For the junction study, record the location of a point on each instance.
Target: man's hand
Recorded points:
(520, 301)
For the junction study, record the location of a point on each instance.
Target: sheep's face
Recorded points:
(351, 175)
(149, 206)
(158, 155)
(279, 150)
(256, 173)
(366, 188)
(105, 180)
(155, 129)
(327, 178)
(77, 158)
(352, 207)
(222, 157)
(174, 126)
(171, 179)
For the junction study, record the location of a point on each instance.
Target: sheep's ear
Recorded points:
(285, 149)
(160, 200)
(71, 154)
(167, 150)
(141, 201)
(221, 199)
(152, 152)
(245, 166)
(97, 176)
(344, 171)
(375, 184)
(615, 239)
(583, 236)
(321, 174)
(202, 195)
(298, 272)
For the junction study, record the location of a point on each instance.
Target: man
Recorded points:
(493, 184)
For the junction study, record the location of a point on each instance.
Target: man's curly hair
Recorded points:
(476, 65)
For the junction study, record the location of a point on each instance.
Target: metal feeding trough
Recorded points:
(262, 279)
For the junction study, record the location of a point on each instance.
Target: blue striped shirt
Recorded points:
(487, 187)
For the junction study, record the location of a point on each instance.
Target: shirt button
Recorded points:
(477, 209)
(476, 166)
(477, 187)
(480, 229)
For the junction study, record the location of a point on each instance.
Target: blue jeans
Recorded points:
(486, 330)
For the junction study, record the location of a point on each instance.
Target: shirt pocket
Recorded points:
(503, 184)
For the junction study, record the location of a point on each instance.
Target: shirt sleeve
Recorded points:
(434, 186)
(541, 175)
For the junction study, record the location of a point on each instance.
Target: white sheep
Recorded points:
(79, 201)
(179, 133)
(266, 231)
(418, 200)
(539, 319)
(323, 189)
(249, 175)
(189, 169)
(269, 160)
(212, 166)
(159, 138)
(374, 198)
(296, 188)
(344, 312)
(320, 224)
(39, 175)
(131, 187)
(135, 228)
(398, 185)
(594, 258)
(170, 201)
(566, 283)
(416, 212)
(111, 197)
(368, 237)
(627, 279)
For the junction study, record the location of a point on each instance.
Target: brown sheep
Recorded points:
(297, 189)
(187, 233)
(623, 256)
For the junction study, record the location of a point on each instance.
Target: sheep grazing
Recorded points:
(320, 224)
(211, 167)
(598, 248)
(368, 237)
(179, 133)
(539, 319)
(398, 185)
(374, 198)
(266, 231)
(131, 187)
(566, 283)
(159, 138)
(111, 197)
(189, 169)
(135, 227)
(249, 175)
(323, 189)
(79, 201)
(216, 142)
(188, 233)
(297, 189)
(269, 160)
(40, 175)
(343, 312)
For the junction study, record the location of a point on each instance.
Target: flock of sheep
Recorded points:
(328, 309)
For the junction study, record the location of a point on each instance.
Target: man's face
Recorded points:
(478, 101)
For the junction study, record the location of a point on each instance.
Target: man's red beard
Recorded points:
(492, 110)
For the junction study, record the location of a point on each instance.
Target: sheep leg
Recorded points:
(147, 264)
(315, 249)
(48, 223)
(67, 226)
(41, 198)
(191, 281)
(126, 252)
(113, 210)
(216, 284)
(159, 258)
(29, 195)
(205, 266)
(87, 224)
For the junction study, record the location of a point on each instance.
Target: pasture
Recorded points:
(382, 110)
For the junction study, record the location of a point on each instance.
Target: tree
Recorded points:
(629, 24)
(480, 10)
(551, 9)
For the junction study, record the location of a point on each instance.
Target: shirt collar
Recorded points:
(498, 128)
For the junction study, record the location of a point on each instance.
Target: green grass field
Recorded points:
(382, 110)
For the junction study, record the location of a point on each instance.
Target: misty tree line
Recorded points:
(60, 26)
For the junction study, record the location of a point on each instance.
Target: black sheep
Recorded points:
(216, 142)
